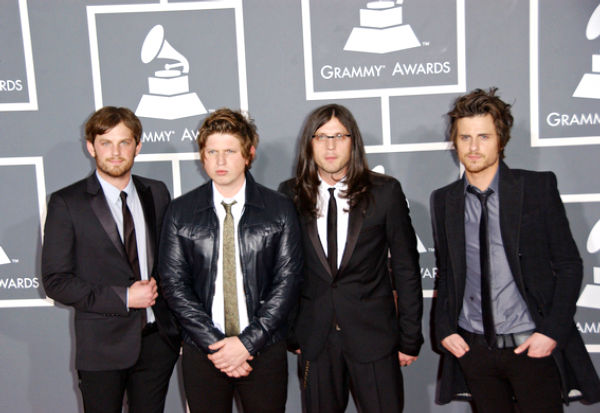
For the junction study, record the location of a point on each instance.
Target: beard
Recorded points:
(115, 171)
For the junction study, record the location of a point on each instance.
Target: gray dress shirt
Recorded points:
(508, 306)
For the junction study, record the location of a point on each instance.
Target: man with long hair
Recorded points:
(347, 327)
(509, 276)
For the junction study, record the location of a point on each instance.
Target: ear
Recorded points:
(90, 148)
(252, 154)
(138, 147)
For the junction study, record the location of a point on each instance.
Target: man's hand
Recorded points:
(405, 359)
(537, 345)
(456, 345)
(231, 357)
(241, 371)
(142, 294)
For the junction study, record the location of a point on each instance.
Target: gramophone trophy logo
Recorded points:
(3, 257)
(589, 86)
(381, 29)
(590, 297)
(169, 94)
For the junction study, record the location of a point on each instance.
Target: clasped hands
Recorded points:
(231, 357)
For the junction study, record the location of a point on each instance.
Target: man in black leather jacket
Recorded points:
(230, 264)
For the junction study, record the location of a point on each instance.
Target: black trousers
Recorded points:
(146, 382)
(208, 390)
(499, 377)
(326, 381)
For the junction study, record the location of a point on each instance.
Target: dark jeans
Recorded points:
(208, 390)
(496, 376)
(146, 382)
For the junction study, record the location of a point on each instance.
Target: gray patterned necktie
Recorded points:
(232, 319)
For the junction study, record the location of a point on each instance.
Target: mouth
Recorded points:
(221, 172)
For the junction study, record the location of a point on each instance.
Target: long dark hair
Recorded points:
(307, 176)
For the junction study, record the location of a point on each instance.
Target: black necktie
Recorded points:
(129, 240)
(489, 330)
(332, 232)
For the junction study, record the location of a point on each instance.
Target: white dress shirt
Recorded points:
(342, 216)
(218, 306)
(113, 198)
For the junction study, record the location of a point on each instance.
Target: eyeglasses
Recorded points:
(339, 137)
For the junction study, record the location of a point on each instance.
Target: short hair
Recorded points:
(480, 102)
(232, 122)
(106, 118)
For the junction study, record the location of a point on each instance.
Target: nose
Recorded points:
(221, 158)
(116, 150)
(474, 144)
(330, 142)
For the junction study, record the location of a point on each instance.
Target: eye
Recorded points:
(463, 137)
(484, 137)
(230, 151)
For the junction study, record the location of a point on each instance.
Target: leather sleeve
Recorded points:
(287, 271)
(176, 274)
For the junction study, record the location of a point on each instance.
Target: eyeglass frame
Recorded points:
(338, 137)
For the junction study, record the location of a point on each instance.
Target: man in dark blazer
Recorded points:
(509, 276)
(348, 328)
(99, 251)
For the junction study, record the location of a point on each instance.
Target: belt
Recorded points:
(149, 329)
(509, 340)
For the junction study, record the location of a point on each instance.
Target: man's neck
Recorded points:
(119, 182)
(228, 192)
(482, 179)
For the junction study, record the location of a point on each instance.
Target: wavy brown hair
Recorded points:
(232, 122)
(307, 176)
(481, 102)
(106, 118)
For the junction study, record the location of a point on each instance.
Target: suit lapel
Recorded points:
(313, 235)
(100, 208)
(455, 234)
(147, 201)
(355, 222)
(511, 205)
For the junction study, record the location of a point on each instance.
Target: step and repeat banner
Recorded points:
(397, 65)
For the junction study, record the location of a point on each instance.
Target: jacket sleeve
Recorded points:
(287, 270)
(406, 272)
(175, 268)
(566, 267)
(440, 308)
(292, 339)
(59, 263)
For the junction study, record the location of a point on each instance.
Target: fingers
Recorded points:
(456, 345)
(241, 371)
(523, 346)
(216, 346)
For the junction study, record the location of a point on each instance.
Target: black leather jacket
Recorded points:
(270, 255)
